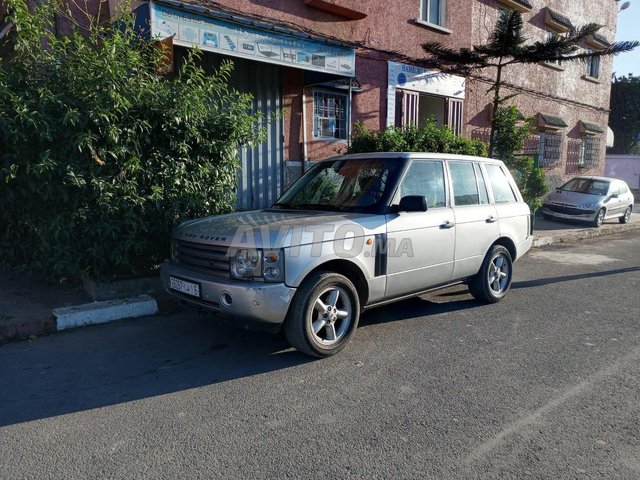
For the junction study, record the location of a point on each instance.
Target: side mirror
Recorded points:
(412, 203)
(615, 195)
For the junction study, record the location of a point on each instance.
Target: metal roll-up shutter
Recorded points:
(261, 176)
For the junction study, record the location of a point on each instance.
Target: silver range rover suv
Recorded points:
(353, 233)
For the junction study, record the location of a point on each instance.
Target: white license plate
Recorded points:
(562, 215)
(182, 286)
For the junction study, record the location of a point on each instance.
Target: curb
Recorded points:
(103, 312)
(582, 234)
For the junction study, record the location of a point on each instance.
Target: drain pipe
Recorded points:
(304, 130)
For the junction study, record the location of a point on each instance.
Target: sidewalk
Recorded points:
(548, 232)
(27, 302)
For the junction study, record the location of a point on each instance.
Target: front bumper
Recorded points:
(569, 213)
(252, 302)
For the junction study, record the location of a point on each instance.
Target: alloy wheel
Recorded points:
(498, 274)
(331, 315)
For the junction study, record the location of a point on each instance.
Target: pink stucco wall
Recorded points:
(391, 31)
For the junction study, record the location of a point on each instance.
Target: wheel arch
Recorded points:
(509, 244)
(348, 269)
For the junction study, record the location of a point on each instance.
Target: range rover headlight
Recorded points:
(273, 270)
(249, 263)
(246, 263)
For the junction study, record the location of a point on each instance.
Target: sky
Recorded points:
(628, 29)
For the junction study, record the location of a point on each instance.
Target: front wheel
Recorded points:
(324, 315)
(493, 281)
(627, 215)
(599, 218)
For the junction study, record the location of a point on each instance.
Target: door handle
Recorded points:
(447, 224)
(492, 219)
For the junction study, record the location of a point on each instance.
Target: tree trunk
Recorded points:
(496, 104)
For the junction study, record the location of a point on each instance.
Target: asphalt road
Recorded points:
(543, 384)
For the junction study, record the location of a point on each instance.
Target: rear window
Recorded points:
(502, 191)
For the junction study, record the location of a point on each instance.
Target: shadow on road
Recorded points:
(567, 278)
(106, 365)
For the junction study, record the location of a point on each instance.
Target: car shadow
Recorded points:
(136, 359)
(567, 278)
(452, 299)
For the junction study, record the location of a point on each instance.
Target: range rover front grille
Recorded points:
(210, 259)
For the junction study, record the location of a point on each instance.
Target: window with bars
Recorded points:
(433, 11)
(589, 152)
(330, 112)
(550, 149)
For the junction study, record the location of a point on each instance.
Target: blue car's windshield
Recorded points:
(354, 185)
(586, 185)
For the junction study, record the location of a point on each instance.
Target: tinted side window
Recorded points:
(623, 188)
(465, 187)
(425, 178)
(482, 187)
(502, 191)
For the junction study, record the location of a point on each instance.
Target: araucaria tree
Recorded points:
(507, 46)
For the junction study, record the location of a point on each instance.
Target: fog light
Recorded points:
(226, 299)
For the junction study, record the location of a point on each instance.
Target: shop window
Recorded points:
(433, 11)
(593, 66)
(589, 152)
(413, 108)
(330, 112)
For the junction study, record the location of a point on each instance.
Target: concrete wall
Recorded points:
(624, 167)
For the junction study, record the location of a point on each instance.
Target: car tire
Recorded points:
(493, 281)
(627, 215)
(599, 220)
(324, 314)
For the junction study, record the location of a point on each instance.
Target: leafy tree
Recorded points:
(428, 138)
(511, 133)
(99, 156)
(625, 114)
(507, 46)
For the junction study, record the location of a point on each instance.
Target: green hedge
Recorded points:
(100, 157)
(428, 138)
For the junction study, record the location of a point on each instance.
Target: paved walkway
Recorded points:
(26, 302)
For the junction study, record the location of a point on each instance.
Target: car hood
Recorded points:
(564, 197)
(274, 228)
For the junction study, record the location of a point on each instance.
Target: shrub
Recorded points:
(99, 156)
(429, 138)
(509, 139)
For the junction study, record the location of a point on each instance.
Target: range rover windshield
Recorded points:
(354, 185)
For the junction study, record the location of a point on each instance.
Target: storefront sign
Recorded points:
(418, 79)
(227, 38)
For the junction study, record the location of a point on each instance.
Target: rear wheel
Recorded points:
(627, 215)
(324, 315)
(493, 281)
(599, 218)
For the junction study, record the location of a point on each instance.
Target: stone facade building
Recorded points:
(332, 63)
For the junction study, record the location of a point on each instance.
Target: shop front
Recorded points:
(264, 55)
(415, 94)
